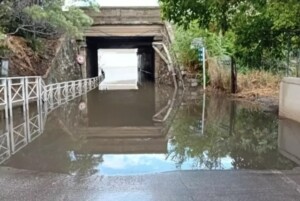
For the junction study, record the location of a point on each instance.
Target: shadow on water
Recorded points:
(115, 135)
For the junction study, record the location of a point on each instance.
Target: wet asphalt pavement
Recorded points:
(19, 185)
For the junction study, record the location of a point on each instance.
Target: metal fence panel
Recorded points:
(24, 91)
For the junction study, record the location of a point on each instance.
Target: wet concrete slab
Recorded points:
(172, 186)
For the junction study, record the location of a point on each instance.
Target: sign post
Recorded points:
(198, 44)
(4, 67)
(4, 63)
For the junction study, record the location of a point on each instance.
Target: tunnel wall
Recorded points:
(91, 59)
(289, 98)
(146, 66)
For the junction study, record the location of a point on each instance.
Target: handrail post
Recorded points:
(74, 89)
(40, 102)
(10, 114)
(25, 83)
(58, 93)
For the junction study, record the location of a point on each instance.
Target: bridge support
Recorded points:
(83, 53)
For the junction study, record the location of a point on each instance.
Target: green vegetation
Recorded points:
(34, 19)
(46, 19)
(259, 35)
(216, 43)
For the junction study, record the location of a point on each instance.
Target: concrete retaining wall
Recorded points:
(289, 139)
(289, 100)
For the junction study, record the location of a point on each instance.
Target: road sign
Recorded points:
(198, 43)
(80, 59)
(4, 67)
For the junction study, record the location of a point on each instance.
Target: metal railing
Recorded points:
(53, 95)
(4, 136)
(26, 92)
(20, 133)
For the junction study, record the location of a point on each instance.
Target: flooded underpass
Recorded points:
(149, 143)
(116, 134)
(152, 144)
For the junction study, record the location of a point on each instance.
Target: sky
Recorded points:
(128, 2)
(118, 2)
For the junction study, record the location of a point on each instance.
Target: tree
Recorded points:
(285, 14)
(263, 29)
(42, 18)
(212, 14)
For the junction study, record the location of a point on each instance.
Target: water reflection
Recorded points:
(235, 137)
(74, 141)
(289, 139)
(22, 129)
(208, 132)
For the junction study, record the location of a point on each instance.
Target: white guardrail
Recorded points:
(24, 91)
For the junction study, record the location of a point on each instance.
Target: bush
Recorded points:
(186, 56)
(217, 46)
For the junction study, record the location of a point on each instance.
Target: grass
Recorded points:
(251, 83)
(257, 83)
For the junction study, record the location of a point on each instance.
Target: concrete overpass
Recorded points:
(131, 27)
(126, 22)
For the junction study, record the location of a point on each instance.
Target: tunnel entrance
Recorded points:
(120, 67)
(99, 49)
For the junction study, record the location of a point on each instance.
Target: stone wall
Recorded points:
(191, 80)
(168, 38)
(162, 74)
(64, 67)
(289, 98)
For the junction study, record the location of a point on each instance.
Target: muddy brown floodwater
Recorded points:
(114, 133)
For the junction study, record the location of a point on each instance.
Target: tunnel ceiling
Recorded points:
(119, 42)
